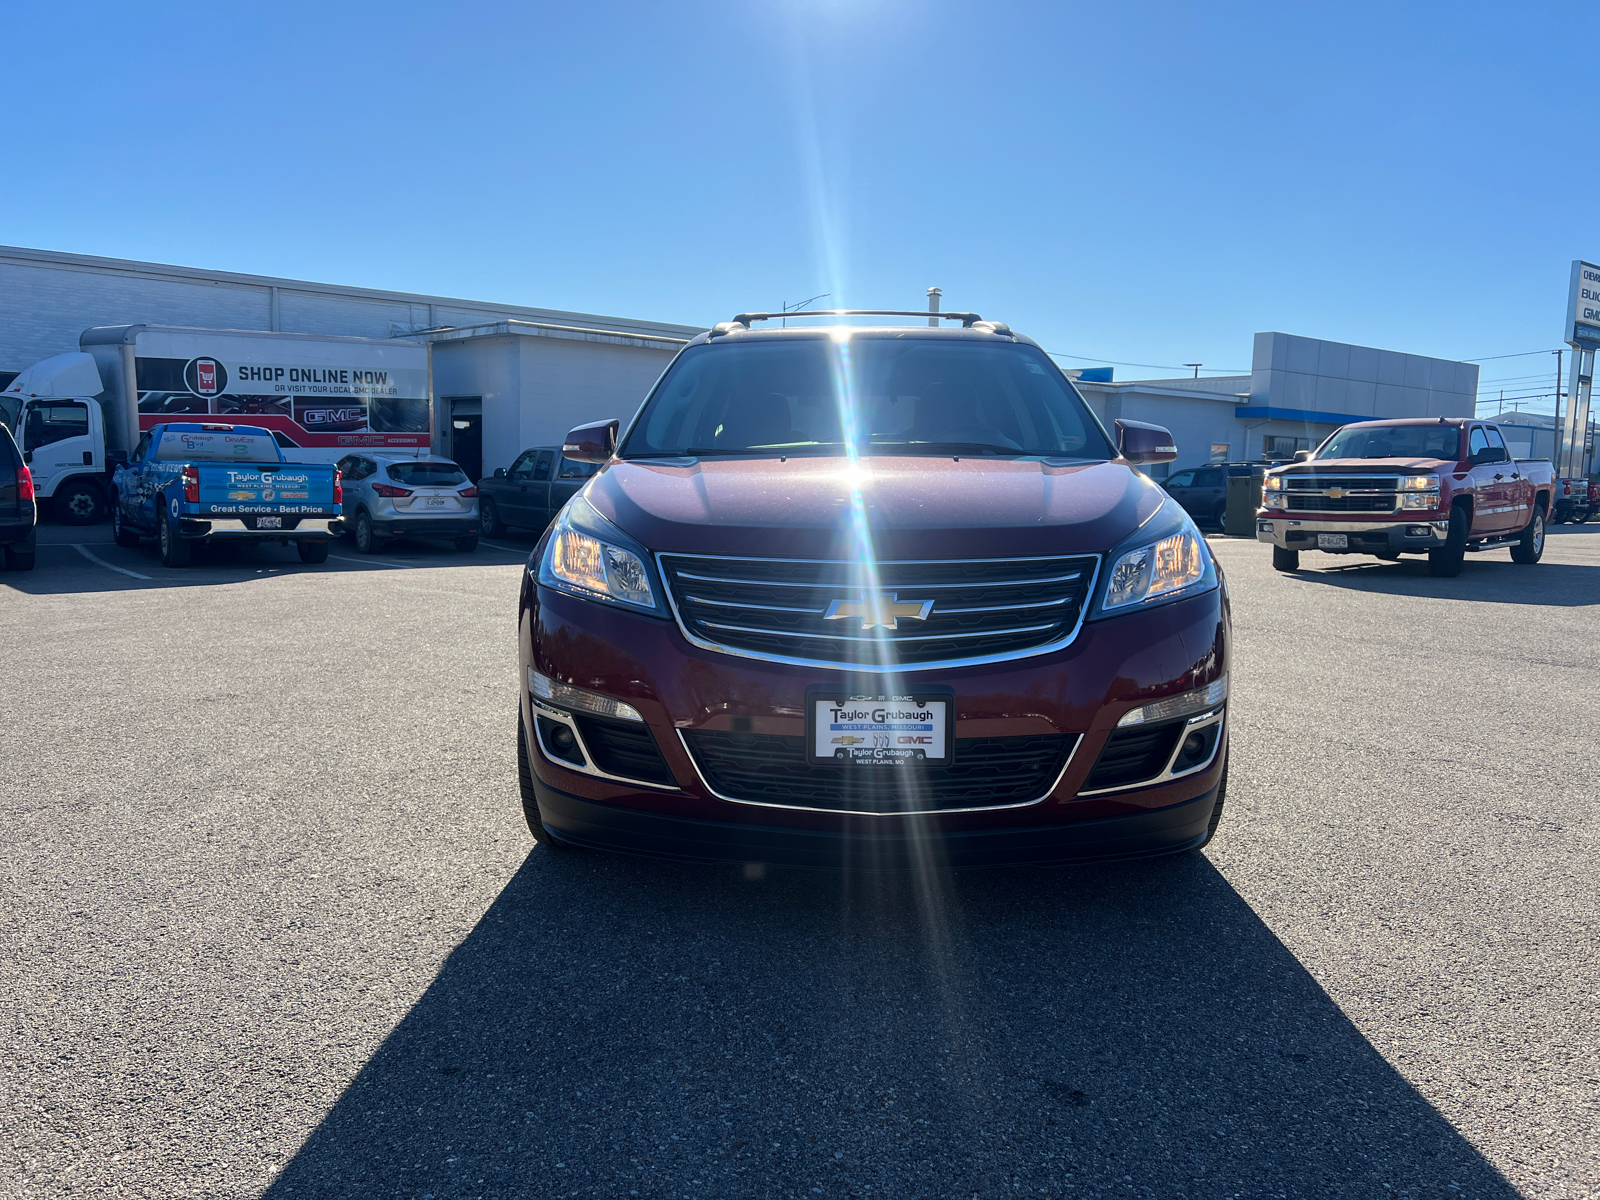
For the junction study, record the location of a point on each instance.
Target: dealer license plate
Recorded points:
(1333, 541)
(881, 731)
(269, 522)
(433, 502)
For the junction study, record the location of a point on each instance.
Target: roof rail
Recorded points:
(967, 319)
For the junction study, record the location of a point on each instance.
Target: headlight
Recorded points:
(1419, 483)
(1273, 483)
(590, 557)
(1172, 562)
(1422, 500)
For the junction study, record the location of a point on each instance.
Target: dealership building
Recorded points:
(507, 377)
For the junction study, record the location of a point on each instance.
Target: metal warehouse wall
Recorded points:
(48, 298)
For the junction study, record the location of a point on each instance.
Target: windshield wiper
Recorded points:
(943, 448)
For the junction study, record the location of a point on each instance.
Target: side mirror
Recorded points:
(1302, 456)
(1140, 443)
(27, 457)
(1490, 454)
(592, 443)
(499, 472)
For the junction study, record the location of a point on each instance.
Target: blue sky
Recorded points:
(1130, 183)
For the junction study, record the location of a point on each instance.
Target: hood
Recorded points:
(914, 507)
(1362, 466)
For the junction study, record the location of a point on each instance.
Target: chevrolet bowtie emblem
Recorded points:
(1334, 493)
(881, 610)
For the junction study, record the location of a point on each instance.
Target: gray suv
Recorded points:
(388, 496)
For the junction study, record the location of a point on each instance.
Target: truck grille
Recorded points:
(1358, 493)
(985, 773)
(972, 610)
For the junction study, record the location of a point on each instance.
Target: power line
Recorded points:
(1495, 357)
(1153, 366)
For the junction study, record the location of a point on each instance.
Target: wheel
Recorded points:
(80, 502)
(1285, 560)
(174, 549)
(312, 552)
(20, 558)
(489, 518)
(1529, 548)
(1446, 561)
(1584, 519)
(367, 541)
(1216, 813)
(1219, 515)
(467, 544)
(120, 533)
(1388, 555)
(530, 802)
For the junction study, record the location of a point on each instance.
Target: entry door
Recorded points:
(465, 446)
(1491, 485)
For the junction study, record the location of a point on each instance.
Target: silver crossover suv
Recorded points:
(387, 496)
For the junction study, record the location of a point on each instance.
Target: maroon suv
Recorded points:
(856, 596)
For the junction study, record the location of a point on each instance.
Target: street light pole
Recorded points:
(799, 306)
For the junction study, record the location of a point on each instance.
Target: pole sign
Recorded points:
(1583, 306)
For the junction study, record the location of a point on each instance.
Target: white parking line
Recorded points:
(84, 550)
(498, 546)
(373, 562)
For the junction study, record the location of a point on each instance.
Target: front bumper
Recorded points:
(1425, 532)
(864, 846)
(217, 529)
(1080, 691)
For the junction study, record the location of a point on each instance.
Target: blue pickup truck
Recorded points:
(187, 483)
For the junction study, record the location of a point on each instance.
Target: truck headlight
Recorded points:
(1422, 500)
(1173, 561)
(588, 556)
(1419, 483)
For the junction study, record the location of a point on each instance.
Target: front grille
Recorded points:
(1361, 493)
(1133, 755)
(985, 773)
(624, 748)
(778, 608)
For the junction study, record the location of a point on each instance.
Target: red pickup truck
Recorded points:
(1436, 486)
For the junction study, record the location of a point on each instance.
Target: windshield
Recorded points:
(427, 474)
(872, 395)
(1394, 441)
(217, 445)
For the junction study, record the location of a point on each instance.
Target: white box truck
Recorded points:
(78, 415)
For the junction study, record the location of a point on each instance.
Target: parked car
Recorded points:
(1436, 487)
(870, 596)
(390, 496)
(531, 491)
(187, 483)
(1571, 502)
(18, 508)
(1203, 492)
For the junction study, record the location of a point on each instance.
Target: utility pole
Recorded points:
(1196, 367)
(933, 306)
(1555, 421)
(797, 307)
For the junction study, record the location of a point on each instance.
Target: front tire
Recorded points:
(530, 800)
(174, 549)
(1219, 516)
(1529, 548)
(80, 502)
(312, 552)
(1285, 560)
(1445, 562)
(120, 533)
(489, 518)
(367, 540)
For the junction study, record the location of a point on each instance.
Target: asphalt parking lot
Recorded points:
(273, 924)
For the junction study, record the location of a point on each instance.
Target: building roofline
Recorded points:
(578, 333)
(128, 266)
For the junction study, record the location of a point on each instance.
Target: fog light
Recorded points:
(1193, 745)
(561, 738)
(1417, 531)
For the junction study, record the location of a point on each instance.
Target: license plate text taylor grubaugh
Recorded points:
(880, 732)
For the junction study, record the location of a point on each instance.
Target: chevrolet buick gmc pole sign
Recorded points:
(1583, 306)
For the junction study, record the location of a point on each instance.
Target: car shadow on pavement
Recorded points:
(618, 1027)
(1549, 584)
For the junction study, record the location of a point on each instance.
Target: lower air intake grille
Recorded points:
(772, 769)
(624, 748)
(1133, 755)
